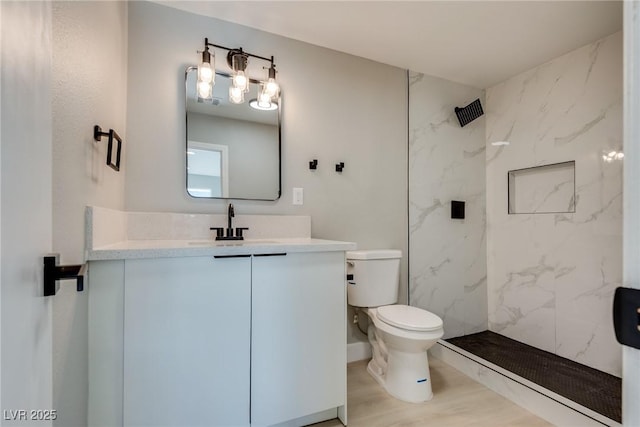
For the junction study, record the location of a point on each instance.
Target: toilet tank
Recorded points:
(376, 275)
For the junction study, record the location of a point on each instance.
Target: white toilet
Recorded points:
(399, 334)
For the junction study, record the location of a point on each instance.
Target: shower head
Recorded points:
(469, 113)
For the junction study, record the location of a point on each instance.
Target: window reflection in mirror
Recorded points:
(208, 166)
(233, 150)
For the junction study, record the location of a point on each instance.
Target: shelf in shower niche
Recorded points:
(542, 189)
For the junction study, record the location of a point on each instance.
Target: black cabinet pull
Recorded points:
(278, 254)
(231, 256)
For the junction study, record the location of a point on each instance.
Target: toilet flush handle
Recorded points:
(350, 276)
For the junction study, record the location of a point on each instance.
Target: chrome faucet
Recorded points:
(230, 235)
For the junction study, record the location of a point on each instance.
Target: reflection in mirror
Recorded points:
(233, 150)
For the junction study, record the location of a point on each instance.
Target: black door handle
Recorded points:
(626, 316)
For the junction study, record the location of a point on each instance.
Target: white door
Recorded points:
(25, 212)
(631, 356)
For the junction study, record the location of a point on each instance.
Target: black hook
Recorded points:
(313, 164)
(339, 166)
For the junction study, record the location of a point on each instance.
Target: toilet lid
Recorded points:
(409, 318)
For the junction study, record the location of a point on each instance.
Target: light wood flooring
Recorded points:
(457, 401)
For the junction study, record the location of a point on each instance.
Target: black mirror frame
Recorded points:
(186, 140)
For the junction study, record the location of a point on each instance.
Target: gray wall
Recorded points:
(337, 107)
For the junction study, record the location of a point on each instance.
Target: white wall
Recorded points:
(446, 162)
(337, 107)
(26, 207)
(551, 277)
(89, 88)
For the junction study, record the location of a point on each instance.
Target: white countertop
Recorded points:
(135, 249)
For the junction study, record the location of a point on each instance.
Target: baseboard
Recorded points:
(358, 351)
(318, 417)
(544, 403)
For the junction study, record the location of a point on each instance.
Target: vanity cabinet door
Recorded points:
(298, 340)
(187, 342)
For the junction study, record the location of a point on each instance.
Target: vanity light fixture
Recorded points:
(237, 59)
(206, 76)
(239, 81)
(271, 87)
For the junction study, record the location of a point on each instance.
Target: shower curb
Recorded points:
(544, 403)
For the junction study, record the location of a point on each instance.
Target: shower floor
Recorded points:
(586, 386)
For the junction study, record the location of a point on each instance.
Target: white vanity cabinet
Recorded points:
(298, 336)
(250, 339)
(187, 341)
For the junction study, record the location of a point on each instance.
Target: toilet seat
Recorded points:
(409, 318)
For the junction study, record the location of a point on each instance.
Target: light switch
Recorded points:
(298, 196)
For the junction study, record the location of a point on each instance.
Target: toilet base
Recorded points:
(407, 377)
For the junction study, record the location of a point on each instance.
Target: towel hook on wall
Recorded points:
(98, 134)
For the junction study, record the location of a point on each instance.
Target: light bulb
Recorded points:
(619, 155)
(264, 100)
(241, 81)
(236, 95)
(271, 87)
(205, 73)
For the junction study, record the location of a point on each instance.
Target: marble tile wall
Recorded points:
(551, 277)
(447, 257)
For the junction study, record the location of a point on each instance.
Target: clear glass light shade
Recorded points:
(236, 95)
(271, 87)
(205, 73)
(264, 100)
(241, 81)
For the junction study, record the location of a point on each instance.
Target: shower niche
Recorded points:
(543, 189)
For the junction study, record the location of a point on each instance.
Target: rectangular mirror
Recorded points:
(232, 150)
